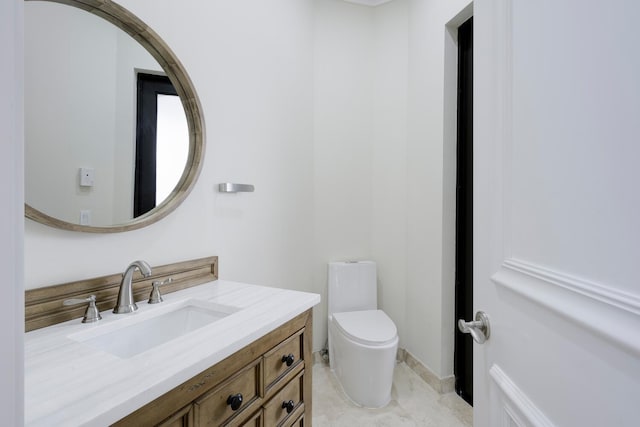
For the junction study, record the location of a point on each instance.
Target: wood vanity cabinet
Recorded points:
(267, 383)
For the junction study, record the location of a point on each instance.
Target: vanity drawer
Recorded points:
(182, 418)
(299, 422)
(275, 411)
(282, 359)
(215, 407)
(254, 421)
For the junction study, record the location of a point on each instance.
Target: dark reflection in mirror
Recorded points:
(161, 143)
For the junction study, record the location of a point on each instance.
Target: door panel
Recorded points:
(557, 97)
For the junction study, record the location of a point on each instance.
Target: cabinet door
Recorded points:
(238, 395)
(182, 418)
(299, 422)
(286, 404)
(282, 359)
(254, 421)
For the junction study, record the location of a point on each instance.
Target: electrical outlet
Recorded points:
(85, 217)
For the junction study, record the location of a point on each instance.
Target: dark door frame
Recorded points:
(149, 87)
(463, 352)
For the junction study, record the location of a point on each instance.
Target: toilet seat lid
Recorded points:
(372, 327)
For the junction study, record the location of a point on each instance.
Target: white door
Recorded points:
(557, 212)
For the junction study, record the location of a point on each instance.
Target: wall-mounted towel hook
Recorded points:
(228, 187)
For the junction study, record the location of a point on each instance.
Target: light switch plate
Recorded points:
(86, 177)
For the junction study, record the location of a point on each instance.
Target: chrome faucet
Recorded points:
(125, 303)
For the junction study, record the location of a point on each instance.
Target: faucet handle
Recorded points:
(91, 314)
(155, 296)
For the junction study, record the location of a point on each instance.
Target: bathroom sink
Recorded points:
(144, 331)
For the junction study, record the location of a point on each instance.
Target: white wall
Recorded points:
(11, 214)
(389, 158)
(335, 112)
(430, 210)
(360, 101)
(342, 155)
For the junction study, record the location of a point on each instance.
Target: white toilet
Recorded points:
(363, 340)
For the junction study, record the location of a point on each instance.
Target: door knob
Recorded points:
(479, 328)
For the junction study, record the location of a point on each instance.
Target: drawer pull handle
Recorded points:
(235, 401)
(288, 406)
(289, 359)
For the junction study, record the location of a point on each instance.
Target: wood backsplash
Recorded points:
(43, 306)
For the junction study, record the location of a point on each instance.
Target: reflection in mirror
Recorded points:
(172, 143)
(82, 111)
(161, 142)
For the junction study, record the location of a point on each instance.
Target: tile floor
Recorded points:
(413, 403)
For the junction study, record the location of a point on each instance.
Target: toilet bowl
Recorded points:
(363, 341)
(363, 355)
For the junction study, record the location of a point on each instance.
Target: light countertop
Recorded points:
(70, 383)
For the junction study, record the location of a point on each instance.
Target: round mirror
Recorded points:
(114, 136)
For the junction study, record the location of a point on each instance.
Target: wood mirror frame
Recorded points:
(129, 23)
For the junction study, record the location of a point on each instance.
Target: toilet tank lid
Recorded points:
(371, 327)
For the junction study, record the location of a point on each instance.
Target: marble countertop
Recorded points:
(68, 382)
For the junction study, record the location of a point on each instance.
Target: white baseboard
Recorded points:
(441, 385)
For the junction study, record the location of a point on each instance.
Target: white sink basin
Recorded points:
(133, 336)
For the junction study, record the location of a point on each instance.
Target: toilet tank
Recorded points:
(352, 286)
